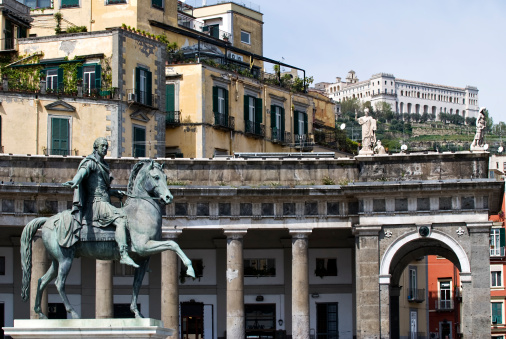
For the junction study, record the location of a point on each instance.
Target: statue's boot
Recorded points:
(125, 258)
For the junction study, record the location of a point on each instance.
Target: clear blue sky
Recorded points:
(448, 42)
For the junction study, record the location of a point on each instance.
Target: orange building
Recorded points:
(497, 264)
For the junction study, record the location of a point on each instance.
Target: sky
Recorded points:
(447, 42)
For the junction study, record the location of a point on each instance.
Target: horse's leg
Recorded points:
(42, 284)
(154, 247)
(139, 275)
(63, 271)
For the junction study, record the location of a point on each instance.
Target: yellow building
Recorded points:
(15, 22)
(67, 90)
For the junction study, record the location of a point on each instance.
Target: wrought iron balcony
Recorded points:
(224, 121)
(304, 141)
(416, 295)
(255, 128)
(142, 97)
(172, 118)
(444, 305)
(277, 136)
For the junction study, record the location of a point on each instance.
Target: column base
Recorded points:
(88, 328)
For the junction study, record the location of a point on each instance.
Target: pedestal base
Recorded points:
(365, 152)
(478, 149)
(88, 328)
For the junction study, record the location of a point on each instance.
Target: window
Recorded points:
(245, 37)
(253, 114)
(54, 78)
(181, 209)
(245, 209)
(224, 209)
(91, 76)
(277, 122)
(2, 265)
(37, 3)
(496, 313)
(114, 2)
(157, 4)
(59, 143)
(495, 279)
(326, 267)
(220, 106)
(260, 267)
(300, 127)
(327, 324)
(143, 80)
(288, 208)
(412, 293)
(69, 3)
(497, 242)
(203, 209)
(139, 141)
(445, 295)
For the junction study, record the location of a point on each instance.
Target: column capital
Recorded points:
(359, 230)
(300, 233)
(235, 234)
(171, 233)
(479, 227)
(466, 277)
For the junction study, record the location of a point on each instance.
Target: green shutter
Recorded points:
(98, 76)
(246, 108)
(296, 123)
(497, 313)
(137, 84)
(258, 110)
(60, 78)
(139, 142)
(226, 104)
(80, 72)
(501, 237)
(282, 127)
(59, 136)
(170, 102)
(149, 89)
(273, 117)
(305, 123)
(215, 100)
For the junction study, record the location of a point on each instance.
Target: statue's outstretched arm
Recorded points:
(81, 174)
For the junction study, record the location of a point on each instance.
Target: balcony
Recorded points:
(172, 119)
(277, 137)
(224, 121)
(444, 305)
(416, 295)
(187, 21)
(304, 142)
(254, 129)
(142, 98)
(496, 251)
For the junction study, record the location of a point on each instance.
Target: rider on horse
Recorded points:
(92, 198)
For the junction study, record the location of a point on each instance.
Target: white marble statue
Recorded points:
(481, 123)
(379, 149)
(368, 132)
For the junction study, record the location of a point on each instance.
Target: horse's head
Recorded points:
(148, 176)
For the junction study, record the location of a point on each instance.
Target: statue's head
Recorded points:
(99, 141)
(482, 110)
(366, 111)
(378, 142)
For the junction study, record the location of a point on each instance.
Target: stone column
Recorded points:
(367, 282)
(170, 286)
(385, 309)
(300, 284)
(104, 308)
(235, 284)
(476, 311)
(40, 265)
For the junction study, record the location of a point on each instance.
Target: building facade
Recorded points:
(406, 96)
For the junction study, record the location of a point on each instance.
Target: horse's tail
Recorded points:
(26, 253)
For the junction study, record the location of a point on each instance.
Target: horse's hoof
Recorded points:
(138, 315)
(42, 316)
(74, 315)
(190, 272)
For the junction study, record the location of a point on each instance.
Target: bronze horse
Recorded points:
(147, 183)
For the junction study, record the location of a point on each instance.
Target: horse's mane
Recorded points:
(135, 171)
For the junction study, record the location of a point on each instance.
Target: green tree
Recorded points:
(350, 106)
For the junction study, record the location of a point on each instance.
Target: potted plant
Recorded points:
(225, 37)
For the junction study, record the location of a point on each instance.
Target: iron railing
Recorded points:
(444, 305)
(278, 136)
(200, 26)
(224, 121)
(304, 140)
(142, 97)
(172, 118)
(497, 251)
(416, 295)
(255, 128)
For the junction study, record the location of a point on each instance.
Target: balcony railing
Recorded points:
(444, 305)
(199, 26)
(416, 295)
(142, 97)
(255, 128)
(277, 135)
(58, 151)
(496, 251)
(304, 141)
(224, 121)
(172, 118)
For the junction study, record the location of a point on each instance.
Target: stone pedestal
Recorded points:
(88, 328)
(235, 285)
(300, 284)
(170, 286)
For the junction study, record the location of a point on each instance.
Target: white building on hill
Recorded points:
(405, 96)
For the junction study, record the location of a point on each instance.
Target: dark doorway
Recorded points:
(192, 320)
(260, 321)
(122, 311)
(326, 321)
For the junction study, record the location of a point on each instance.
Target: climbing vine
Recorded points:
(25, 78)
(70, 77)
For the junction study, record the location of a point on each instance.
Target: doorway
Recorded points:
(260, 321)
(327, 321)
(192, 320)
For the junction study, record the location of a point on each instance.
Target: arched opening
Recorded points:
(402, 108)
(399, 268)
(409, 108)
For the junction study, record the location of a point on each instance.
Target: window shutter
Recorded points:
(59, 136)
(501, 237)
(296, 123)
(79, 72)
(282, 122)
(305, 123)
(215, 99)
(139, 142)
(246, 108)
(137, 84)
(149, 89)
(98, 76)
(60, 78)
(273, 117)
(226, 104)
(170, 102)
(258, 111)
